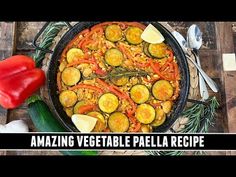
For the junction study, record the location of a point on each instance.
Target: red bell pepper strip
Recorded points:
(15, 64)
(137, 125)
(156, 69)
(15, 89)
(87, 108)
(171, 55)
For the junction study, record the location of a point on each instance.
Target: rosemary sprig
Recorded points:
(201, 117)
(119, 75)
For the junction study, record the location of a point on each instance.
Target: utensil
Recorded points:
(183, 44)
(194, 40)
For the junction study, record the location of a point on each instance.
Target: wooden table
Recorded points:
(219, 37)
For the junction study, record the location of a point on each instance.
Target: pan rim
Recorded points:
(178, 109)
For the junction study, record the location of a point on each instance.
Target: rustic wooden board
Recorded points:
(210, 58)
(217, 38)
(26, 32)
(7, 46)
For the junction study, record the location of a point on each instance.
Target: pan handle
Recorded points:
(40, 33)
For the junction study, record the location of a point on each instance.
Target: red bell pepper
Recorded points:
(15, 64)
(15, 89)
(18, 80)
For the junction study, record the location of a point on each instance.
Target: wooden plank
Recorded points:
(226, 44)
(7, 46)
(26, 32)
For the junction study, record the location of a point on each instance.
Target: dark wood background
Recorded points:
(218, 38)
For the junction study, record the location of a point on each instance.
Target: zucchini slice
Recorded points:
(157, 50)
(108, 102)
(62, 65)
(120, 81)
(139, 93)
(133, 35)
(67, 98)
(70, 76)
(113, 33)
(101, 124)
(146, 128)
(160, 118)
(145, 113)
(74, 54)
(69, 111)
(118, 122)
(166, 106)
(114, 57)
(77, 106)
(162, 90)
(145, 49)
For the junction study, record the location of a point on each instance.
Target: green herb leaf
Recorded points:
(201, 117)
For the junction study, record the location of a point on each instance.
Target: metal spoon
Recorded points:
(183, 44)
(194, 40)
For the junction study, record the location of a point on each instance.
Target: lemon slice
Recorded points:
(152, 35)
(84, 123)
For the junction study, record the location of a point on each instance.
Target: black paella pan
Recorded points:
(72, 32)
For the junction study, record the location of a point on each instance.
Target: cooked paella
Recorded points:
(110, 73)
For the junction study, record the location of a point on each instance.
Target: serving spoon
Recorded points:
(183, 43)
(194, 40)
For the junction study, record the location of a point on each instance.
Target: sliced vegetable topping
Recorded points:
(145, 113)
(166, 106)
(69, 111)
(146, 128)
(145, 49)
(162, 90)
(113, 33)
(133, 35)
(139, 93)
(114, 57)
(122, 75)
(108, 102)
(101, 124)
(70, 76)
(158, 50)
(120, 81)
(67, 98)
(77, 106)
(160, 117)
(118, 122)
(74, 54)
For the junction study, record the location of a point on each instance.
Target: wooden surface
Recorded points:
(7, 47)
(218, 38)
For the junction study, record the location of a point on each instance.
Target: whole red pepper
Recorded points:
(18, 80)
(15, 89)
(15, 64)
